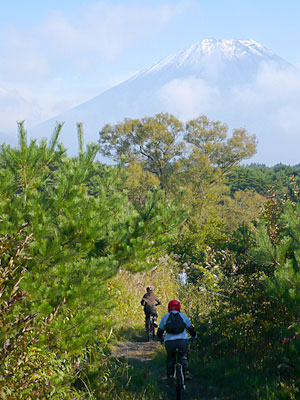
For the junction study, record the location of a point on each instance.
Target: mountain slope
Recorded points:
(236, 81)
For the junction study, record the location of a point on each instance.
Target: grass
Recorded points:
(133, 379)
(219, 377)
(129, 289)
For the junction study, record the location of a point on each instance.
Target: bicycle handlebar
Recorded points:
(191, 339)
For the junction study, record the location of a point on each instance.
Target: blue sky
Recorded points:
(57, 54)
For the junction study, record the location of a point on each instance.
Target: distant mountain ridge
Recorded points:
(226, 49)
(212, 60)
(224, 79)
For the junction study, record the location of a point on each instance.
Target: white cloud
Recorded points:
(188, 97)
(22, 58)
(14, 108)
(288, 118)
(274, 97)
(268, 106)
(102, 29)
(55, 63)
(271, 85)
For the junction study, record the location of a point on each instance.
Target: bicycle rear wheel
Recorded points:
(178, 393)
(152, 329)
(148, 328)
(179, 382)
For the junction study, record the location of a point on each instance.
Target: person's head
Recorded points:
(149, 289)
(182, 270)
(174, 305)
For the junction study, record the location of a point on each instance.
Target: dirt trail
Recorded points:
(138, 350)
(141, 354)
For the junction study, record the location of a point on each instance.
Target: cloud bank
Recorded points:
(268, 107)
(58, 62)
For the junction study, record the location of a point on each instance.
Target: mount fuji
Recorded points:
(238, 82)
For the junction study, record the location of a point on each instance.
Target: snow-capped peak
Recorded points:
(222, 49)
(229, 48)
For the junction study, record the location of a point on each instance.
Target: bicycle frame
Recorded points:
(179, 375)
(150, 327)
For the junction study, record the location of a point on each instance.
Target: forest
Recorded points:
(80, 240)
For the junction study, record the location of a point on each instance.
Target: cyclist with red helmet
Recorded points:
(175, 324)
(149, 301)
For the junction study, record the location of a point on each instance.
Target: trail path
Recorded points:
(143, 355)
(138, 350)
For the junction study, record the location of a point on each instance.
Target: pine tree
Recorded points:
(277, 255)
(84, 228)
(28, 367)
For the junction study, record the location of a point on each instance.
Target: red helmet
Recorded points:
(174, 305)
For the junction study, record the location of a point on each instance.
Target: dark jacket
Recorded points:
(149, 301)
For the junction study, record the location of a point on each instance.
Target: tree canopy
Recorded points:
(159, 143)
(84, 228)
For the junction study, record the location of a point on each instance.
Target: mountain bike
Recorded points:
(150, 323)
(150, 329)
(179, 376)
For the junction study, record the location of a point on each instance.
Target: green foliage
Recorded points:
(100, 234)
(28, 368)
(196, 156)
(128, 289)
(159, 142)
(241, 209)
(279, 246)
(211, 138)
(259, 178)
(153, 141)
(114, 377)
(150, 229)
(84, 228)
(139, 182)
(249, 330)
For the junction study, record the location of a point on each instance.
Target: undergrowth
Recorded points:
(108, 377)
(128, 290)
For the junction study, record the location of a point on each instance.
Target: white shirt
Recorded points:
(173, 336)
(182, 278)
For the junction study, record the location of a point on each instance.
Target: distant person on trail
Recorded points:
(149, 301)
(182, 278)
(175, 324)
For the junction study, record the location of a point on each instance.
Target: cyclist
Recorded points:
(176, 337)
(149, 301)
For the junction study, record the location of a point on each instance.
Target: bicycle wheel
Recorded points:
(148, 324)
(179, 381)
(152, 329)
